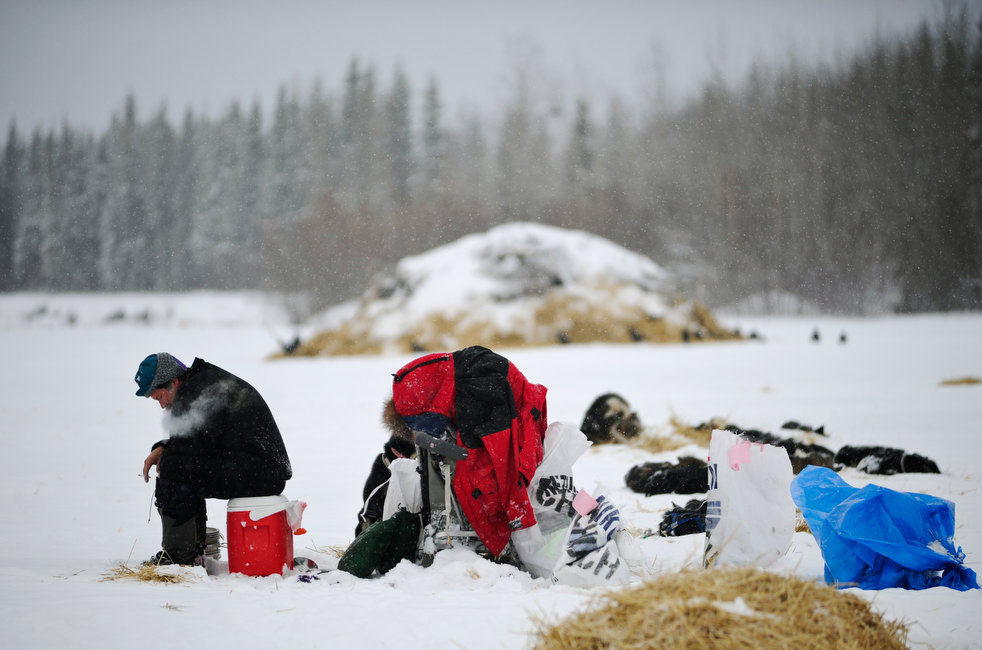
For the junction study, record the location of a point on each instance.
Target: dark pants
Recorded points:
(186, 481)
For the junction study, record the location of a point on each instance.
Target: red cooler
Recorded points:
(259, 538)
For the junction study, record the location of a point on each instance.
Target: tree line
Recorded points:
(854, 185)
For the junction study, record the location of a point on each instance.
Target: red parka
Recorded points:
(497, 414)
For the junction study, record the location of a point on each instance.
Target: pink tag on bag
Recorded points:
(739, 453)
(583, 503)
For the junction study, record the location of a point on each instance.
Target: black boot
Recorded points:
(183, 542)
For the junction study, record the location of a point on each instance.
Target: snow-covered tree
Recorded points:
(11, 204)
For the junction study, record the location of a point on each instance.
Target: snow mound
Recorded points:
(517, 284)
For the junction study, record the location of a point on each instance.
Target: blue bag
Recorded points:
(876, 538)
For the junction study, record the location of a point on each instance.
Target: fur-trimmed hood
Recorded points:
(394, 422)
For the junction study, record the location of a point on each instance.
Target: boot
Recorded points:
(183, 543)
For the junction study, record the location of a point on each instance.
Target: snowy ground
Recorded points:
(73, 439)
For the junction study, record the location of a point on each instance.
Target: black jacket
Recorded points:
(218, 416)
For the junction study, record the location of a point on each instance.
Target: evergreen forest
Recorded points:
(854, 185)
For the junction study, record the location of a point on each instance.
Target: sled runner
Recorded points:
(444, 524)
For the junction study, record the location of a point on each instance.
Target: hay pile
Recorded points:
(962, 381)
(725, 608)
(557, 319)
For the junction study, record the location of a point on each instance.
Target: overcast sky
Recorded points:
(76, 60)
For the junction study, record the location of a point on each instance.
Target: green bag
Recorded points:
(383, 545)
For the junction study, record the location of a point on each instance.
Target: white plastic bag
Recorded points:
(566, 545)
(552, 488)
(591, 554)
(404, 489)
(631, 554)
(750, 516)
(551, 493)
(600, 566)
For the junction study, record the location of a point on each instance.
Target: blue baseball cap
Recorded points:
(155, 371)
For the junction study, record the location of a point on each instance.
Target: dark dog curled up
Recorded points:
(885, 460)
(610, 419)
(689, 476)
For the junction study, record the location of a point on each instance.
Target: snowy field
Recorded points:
(73, 439)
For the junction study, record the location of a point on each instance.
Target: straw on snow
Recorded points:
(961, 381)
(680, 435)
(168, 574)
(724, 608)
(549, 321)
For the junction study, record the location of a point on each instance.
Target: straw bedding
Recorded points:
(555, 319)
(962, 381)
(679, 435)
(724, 608)
(169, 574)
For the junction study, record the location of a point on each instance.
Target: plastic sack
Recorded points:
(551, 493)
(750, 517)
(574, 539)
(405, 491)
(591, 552)
(877, 538)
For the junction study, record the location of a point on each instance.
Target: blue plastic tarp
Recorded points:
(877, 538)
